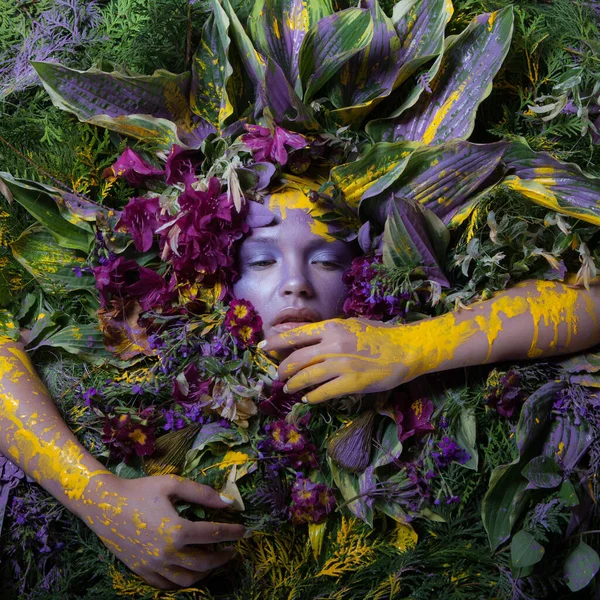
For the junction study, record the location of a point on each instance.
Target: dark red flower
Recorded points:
(279, 404)
(189, 388)
(133, 168)
(504, 392)
(126, 438)
(412, 417)
(243, 322)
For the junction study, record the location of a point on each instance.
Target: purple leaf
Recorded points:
(371, 73)
(469, 63)
(559, 186)
(258, 215)
(148, 107)
(286, 107)
(278, 28)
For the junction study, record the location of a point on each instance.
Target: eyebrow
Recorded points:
(269, 239)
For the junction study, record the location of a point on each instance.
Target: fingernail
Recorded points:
(226, 499)
(262, 344)
(285, 389)
(304, 400)
(248, 534)
(276, 376)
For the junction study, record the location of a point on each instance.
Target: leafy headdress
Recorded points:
(377, 110)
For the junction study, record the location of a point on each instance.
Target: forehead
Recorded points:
(292, 204)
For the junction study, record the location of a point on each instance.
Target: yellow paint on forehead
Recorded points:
(293, 199)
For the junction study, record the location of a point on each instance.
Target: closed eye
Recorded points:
(261, 263)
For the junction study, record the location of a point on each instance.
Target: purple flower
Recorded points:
(141, 218)
(449, 451)
(173, 421)
(133, 168)
(366, 298)
(267, 144)
(311, 502)
(89, 394)
(504, 393)
(190, 388)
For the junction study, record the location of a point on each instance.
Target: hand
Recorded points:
(347, 356)
(136, 520)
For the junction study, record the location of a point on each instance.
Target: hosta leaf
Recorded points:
(329, 44)
(524, 550)
(86, 342)
(542, 472)
(153, 108)
(43, 205)
(405, 241)
(420, 27)
(507, 493)
(469, 63)
(51, 265)
(568, 441)
(562, 187)
(213, 94)
(278, 27)
(253, 63)
(280, 98)
(369, 74)
(374, 172)
(581, 566)
(442, 178)
(349, 486)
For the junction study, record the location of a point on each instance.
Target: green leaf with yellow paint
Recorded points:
(56, 269)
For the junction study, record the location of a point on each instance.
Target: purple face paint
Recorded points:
(291, 274)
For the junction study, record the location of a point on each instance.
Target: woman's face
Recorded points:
(291, 271)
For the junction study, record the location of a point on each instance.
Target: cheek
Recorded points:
(256, 288)
(332, 292)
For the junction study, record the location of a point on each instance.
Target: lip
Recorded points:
(295, 317)
(282, 327)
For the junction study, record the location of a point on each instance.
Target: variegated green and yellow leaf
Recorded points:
(53, 267)
(559, 186)
(45, 205)
(278, 27)
(334, 40)
(371, 73)
(464, 79)
(374, 172)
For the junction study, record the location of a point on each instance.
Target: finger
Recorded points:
(333, 389)
(198, 560)
(206, 532)
(300, 336)
(182, 577)
(298, 360)
(312, 375)
(190, 491)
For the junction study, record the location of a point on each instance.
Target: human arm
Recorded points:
(135, 519)
(534, 319)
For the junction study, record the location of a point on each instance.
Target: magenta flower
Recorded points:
(141, 218)
(127, 279)
(279, 404)
(133, 168)
(181, 165)
(285, 437)
(267, 144)
(311, 502)
(189, 388)
(198, 242)
(413, 418)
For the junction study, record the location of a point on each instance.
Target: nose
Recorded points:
(296, 283)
